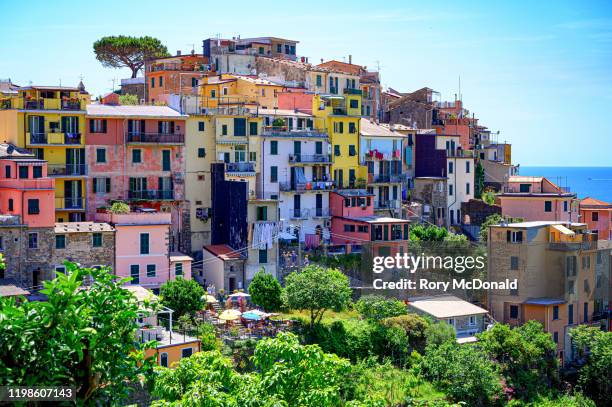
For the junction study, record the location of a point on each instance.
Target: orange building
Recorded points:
(598, 217)
(179, 74)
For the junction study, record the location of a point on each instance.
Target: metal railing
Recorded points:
(54, 170)
(310, 158)
(152, 194)
(240, 167)
(307, 186)
(68, 203)
(572, 246)
(155, 138)
(351, 91)
(391, 204)
(55, 138)
(284, 131)
(305, 213)
(382, 178)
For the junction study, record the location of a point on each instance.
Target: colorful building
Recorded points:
(231, 89)
(136, 154)
(179, 74)
(50, 122)
(598, 217)
(537, 199)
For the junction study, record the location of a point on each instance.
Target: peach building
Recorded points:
(135, 154)
(179, 74)
(536, 199)
(142, 248)
(598, 216)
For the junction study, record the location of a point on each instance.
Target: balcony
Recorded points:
(307, 213)
(240, 167)
(63, 170)
(572, 246)
(151, 195)
(391, 204)
(156, 138)
(54, 138)
(310, 158)
(306, 186)
(384, 178)
(62, 203)
(349, 91)
(49, 104)
(284, 131)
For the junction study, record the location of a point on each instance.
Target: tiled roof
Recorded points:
(223, 251)
(588, 201)
(83, 227)
(523, 178)
(9, 288)
(370, 128)
(446, 306)
(353, 192)
(133, 111)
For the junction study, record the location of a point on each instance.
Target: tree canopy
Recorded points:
(595, 377)
(317, 289)
(266, 291)
(377, 307)
(182, 296)
(123, 51)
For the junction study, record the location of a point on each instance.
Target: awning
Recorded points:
(562, 229)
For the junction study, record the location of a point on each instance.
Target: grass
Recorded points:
(329, 316)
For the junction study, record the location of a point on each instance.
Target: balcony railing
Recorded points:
(50, 104)
(152, 194)
(155, 138)
(307, 186)
(240, 167)
(350, 91)
(306, 213)
(55, 138)
(391, 204)
(284, 131)
(572, 246)
(55, 170)
(310, 158)
(384, 178)
(68, 203)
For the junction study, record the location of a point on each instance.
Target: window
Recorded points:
(354, 104)
(467, 167)
(319, 81)
(33, 207)
(7, 171)
(152, 82)
(352, 151)
(341, 127)
(337, 150)
(10, 204)
(100, 155)
(239, 127)
(96, 240)
(524, 187)
(253, 128)
(200, 126)
(144, 243)
(161, 81)
(163, 359)
(261, 50)
(224, 130)
(570, 314)
(178, 269)
(570, 287)
(150, 270)
(514, 236)
(571, 264)
(252, 156)
(23, 171)
(165, 160)
(594, 215)
(556, 337)
(279, 48)
(186, 352)
(37, 171)
(213, 93)
(194, 82)
(555, 313)
(262, 213)
(273, 147)
(136, 156)
(97, 125)
(101, 185)
(547, 206)
(60, 241)
(514, 263)
(362, 229)
(451, 321)
(585, 316)
(263, 256)
(349, 228)
(472, 320)
(135, 273)
(450, 190)
(33, 240)
(450, 167)
(467, 188)
(224, 91)
(565, 206)
(274, 174)
(514, 312)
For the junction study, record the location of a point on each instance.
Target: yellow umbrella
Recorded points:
(210, 299)
(230, 315)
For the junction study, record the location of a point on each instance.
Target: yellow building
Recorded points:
(228, 89)
(50, 121)
(339, 116)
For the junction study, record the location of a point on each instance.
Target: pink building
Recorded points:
(598, 217)
(142, 251)
(25, 189)
(354, 223)
(135, 154)
(536, 199)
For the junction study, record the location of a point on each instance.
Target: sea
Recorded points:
(595, 182)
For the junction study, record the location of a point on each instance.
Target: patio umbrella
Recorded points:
(252, 316)
(209, 299)
(238, 295)
(260, 313)
(230, 315)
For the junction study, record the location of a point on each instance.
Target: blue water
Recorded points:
(595, 182)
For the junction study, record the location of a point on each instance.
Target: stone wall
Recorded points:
(478, 210)
(22, 263)
(79, 248)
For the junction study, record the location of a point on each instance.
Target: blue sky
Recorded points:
(539, 72)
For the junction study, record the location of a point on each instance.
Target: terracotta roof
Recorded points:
(178, 256)
(82, 227)
(223, 251)
(10, 290)
(370, 128)
(342, 67)
(523, 178)
(592, 202)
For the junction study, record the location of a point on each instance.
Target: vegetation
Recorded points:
(595, 377)
(377, 307)
(479, 179)
(317, 289)
(2, 262)
(432, 233)
(266, 291)
(78, 337)
(128, 52)
(439, 333)
(182, 296)
(119, 207)
(494, 219)
(488, 197)
(128, 99)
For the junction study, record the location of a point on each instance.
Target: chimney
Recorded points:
(193, 52)
(178, 52)
(350, 60)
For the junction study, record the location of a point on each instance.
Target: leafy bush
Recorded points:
(439, 333)
(377, 307)
(128, 99)
(182, 296)
(119, 207)
(595, 377)
(266, 291)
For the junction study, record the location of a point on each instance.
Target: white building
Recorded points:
(295, 169)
